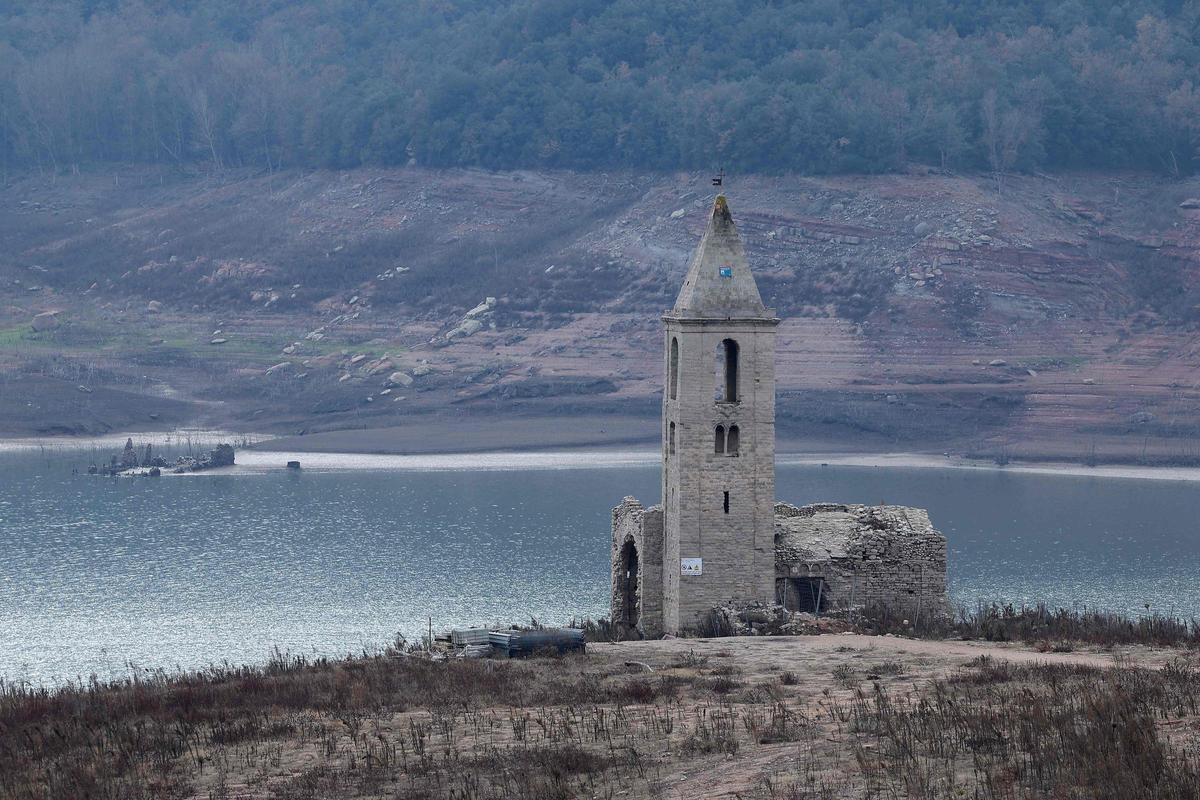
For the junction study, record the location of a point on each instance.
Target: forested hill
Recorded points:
(754, 85)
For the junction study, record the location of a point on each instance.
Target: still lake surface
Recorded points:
(183, 571)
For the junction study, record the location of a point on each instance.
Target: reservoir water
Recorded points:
(97, 574)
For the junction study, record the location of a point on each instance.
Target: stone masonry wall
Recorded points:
(632, 522)
(887, 556)
(737, 547)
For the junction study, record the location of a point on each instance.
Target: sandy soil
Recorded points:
(818, 661)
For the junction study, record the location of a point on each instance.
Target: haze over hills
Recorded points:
(291, 216)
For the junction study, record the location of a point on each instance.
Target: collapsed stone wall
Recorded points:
(862, 556)
(632, 523)
(866, 556)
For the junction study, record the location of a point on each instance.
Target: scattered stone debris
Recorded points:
(471, 323)
(763, 619)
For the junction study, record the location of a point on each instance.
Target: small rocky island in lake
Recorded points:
(129, 463)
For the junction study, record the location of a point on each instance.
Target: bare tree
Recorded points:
(1006, 130)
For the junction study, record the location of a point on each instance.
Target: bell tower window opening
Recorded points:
(731, 441)
(673, 370)
(727, 372)
(719, 440)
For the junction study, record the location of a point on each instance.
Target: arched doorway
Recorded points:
(631, 600)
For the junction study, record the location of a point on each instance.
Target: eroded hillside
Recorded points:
(1054, 318)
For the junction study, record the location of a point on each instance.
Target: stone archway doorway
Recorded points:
(630, 597)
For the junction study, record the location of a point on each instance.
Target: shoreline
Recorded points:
(267, 453)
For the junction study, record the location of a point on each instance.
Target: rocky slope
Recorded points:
(1053, 318)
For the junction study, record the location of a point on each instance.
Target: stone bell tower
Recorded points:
(718, 434)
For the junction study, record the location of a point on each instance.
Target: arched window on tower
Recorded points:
(731, 441)
(727, 372)
(673, 369)
(671, 445)
(719, 440)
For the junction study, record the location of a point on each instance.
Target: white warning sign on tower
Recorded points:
(691, 566)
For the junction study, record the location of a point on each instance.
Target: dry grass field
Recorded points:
(830, 716)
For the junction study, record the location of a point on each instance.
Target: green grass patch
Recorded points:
(10, 337)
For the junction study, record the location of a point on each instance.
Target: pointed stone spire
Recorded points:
(719, 284)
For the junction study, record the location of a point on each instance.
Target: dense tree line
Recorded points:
(755, 85)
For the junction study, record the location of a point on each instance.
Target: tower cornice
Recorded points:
(700, 321)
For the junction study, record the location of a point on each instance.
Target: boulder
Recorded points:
(487, 305)
(466, 328)
(46, 321)
(153, 307)
(399, 379)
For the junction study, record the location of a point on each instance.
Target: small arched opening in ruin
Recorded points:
(810, 595)
(629, 584)
(671, 440)
(719, 440)
(673, 371)
(727, 371)
(731, 441)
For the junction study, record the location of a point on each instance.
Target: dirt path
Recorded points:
(766, 655)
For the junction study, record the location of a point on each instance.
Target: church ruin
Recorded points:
(720, 538)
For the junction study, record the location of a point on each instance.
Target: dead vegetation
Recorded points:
(766, 718)
(1041, 626)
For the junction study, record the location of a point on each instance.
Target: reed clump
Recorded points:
(1054, 628)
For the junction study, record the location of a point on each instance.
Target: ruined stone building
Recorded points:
(719, 537)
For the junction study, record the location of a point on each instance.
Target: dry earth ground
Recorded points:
(746, 717)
